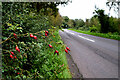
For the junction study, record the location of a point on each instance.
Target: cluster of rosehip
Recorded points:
(46, 33)
(15, 35)
(66, 50)
(12, 55)
(31, 35)
(55, 50)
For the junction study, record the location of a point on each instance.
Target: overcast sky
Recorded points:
(83, 9)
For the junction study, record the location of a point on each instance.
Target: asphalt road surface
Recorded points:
(95, 57)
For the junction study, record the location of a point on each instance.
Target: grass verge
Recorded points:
(61, 48)
(55, 66)
(107, 35)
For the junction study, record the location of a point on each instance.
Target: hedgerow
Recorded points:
(26, 40)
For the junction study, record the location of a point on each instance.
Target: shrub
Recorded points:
(93, 29)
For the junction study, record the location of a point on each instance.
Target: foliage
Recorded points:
(93, 29)
(114, 25)
(35, 59)
(79, 23)
(55, 21)
(108, 24)
(104, 20)
(70, 23)
(65, 22)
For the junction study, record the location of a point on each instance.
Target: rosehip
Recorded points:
(15, 57)
(46, 31)
(15, 35)
(45, 34)
(31, 35)
(35, 37)
(56, 51)
(12, 53)
(18, 73)
(66, 51)
(11, 56)
(18, 50)
(50, 46)
(67, 48)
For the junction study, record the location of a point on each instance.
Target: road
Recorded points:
(95, 57)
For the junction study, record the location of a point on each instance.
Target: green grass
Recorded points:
(61, 47)
(107, 35)
(56, 60)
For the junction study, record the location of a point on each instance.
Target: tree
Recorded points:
(65, 22)
(70, 23)
(104, 20)
(78, 23)
(66, 19)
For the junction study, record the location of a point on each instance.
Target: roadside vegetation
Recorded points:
(31, 45)
(104, 35)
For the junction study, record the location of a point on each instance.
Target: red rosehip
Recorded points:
(15, 57)
(56, 51)
(35, 37)
(11, 56)
(12, 53)
(46, 31)
(50, 46)
(31, 35)
(15, 35)
(66, 50)
(18, 50)
(46, 34)
(18, 73)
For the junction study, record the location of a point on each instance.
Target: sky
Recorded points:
(83, 9)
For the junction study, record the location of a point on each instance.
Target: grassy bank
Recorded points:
(107, 35)
(54, 65)
(61, 48)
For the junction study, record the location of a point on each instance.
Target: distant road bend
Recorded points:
(95, 57)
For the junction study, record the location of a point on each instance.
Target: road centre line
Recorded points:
(86, 38)
(81, 36)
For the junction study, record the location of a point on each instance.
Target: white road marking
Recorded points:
(73, 33)
(80, 36)
(86, 38)
(69, 32)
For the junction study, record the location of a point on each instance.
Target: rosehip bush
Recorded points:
(28, 46)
